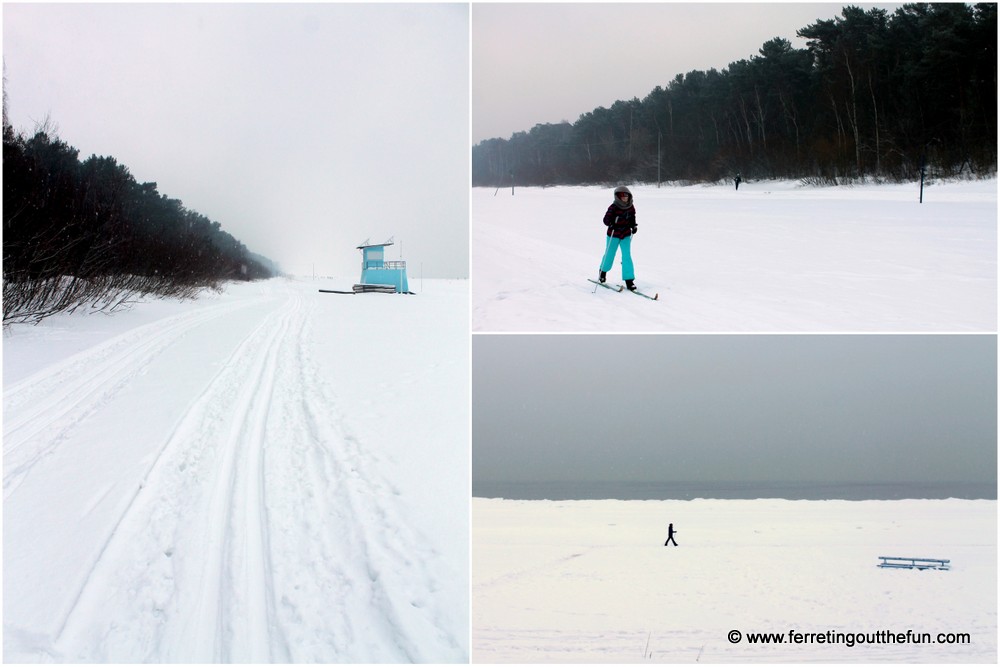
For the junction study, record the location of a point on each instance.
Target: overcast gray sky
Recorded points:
(304, 129)
(734, 408)
(538, 63)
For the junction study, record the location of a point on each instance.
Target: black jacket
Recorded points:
(620, 221)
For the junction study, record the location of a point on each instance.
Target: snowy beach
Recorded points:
(771, 257)
(592, 582)
(240, 478)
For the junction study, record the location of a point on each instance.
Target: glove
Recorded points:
(635, 230)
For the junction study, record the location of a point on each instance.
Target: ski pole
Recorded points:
(601, 268)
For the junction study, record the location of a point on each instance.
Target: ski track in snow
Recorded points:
(261, 528)
(46, 407)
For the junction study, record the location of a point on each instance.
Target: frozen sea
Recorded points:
(617, 490)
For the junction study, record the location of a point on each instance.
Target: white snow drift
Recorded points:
(268, 474)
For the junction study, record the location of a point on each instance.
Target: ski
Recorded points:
(617, 288)
(655, 297)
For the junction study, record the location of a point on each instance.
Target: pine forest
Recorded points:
(873, 96)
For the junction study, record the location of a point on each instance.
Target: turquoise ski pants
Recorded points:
(628, 270)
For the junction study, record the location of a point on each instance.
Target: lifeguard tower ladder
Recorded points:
(379, 275)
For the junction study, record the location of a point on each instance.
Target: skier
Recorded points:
(739, 178)
(621, 224)
(670, 536)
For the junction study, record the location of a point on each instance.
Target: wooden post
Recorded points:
(923, 170)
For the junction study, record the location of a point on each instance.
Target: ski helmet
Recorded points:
(628, 202)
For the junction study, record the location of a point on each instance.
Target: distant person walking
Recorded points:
(738, 179)
(670, 536)
(621, 224)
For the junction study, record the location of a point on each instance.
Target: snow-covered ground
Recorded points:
(774, 256)
(266, 474)
(591, 581)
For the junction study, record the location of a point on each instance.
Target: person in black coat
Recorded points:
(622, 226)
(670, 536)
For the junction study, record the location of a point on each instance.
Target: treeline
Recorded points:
(86, 234)
(872, 96)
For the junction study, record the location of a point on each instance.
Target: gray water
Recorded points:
(730, 490)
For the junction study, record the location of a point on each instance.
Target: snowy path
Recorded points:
(198, 490)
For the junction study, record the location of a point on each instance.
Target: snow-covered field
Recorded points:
(266, 474)
(590, 581)
(774, 256)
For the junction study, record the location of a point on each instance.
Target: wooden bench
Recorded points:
(372, 287)
(918, 563)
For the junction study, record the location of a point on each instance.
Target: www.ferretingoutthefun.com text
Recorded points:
(849, 639)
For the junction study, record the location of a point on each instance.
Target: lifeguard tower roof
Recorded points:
(366, 244)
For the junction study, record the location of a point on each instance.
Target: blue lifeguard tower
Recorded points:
(379, 275)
